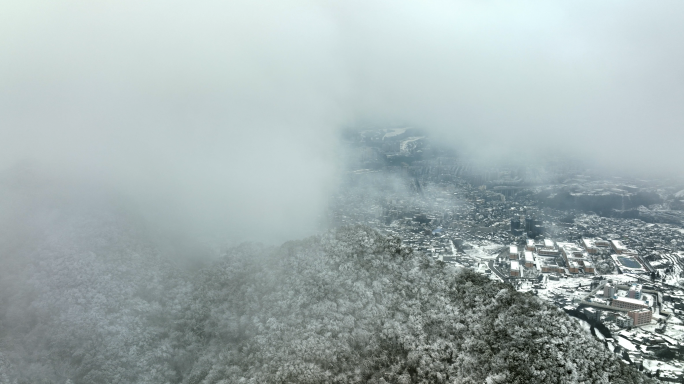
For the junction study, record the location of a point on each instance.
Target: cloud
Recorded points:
(222, 115)
(596, 82)
(226, 113)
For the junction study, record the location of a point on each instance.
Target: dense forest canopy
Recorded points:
(87, 297)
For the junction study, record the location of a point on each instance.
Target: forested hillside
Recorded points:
(84, 293)
(353, 307)
(87, 297)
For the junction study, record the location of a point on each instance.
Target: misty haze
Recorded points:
(341, 192)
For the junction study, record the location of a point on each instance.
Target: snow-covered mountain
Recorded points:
(87, 296)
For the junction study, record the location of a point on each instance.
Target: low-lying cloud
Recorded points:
(225, 115)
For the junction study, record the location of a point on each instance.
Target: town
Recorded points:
(608, 252)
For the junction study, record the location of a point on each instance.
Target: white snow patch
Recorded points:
(626, 344)
(394, 132)
(484, 251)
(599, 335)
(654, 365)
(404, 145)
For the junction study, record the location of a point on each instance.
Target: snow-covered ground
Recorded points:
(406, 145)
(623, 279)
(484, 251)
(585, 326)
(626, 344)
(571, 288)
(675, 330)
(674, 258)
(654, 365)
(394, 132)
(599, 335)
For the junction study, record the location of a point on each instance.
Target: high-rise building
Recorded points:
(627, 303)
(634, 291)
(608, 290)
(533, 227)
(640, 316)
(516, 227)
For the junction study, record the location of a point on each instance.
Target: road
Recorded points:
(497, 271)
(593, 292)
(602, 306)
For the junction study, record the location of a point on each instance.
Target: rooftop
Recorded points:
(631, 301)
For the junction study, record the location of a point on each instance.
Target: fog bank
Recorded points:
(224, 117)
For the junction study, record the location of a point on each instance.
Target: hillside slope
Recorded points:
(87, 296)
(84, 293)
(353, 306)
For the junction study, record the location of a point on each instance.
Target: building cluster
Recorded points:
(635, 318)
(608, 252)
(546, 256)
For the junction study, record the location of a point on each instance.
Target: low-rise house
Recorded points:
(529, 259)
(589, 245)
(592, 314)
(547, 265)
(624, 321)
(617, 246)
(513, 252)
(515, 269)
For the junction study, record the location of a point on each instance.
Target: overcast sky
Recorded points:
(226, 113)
